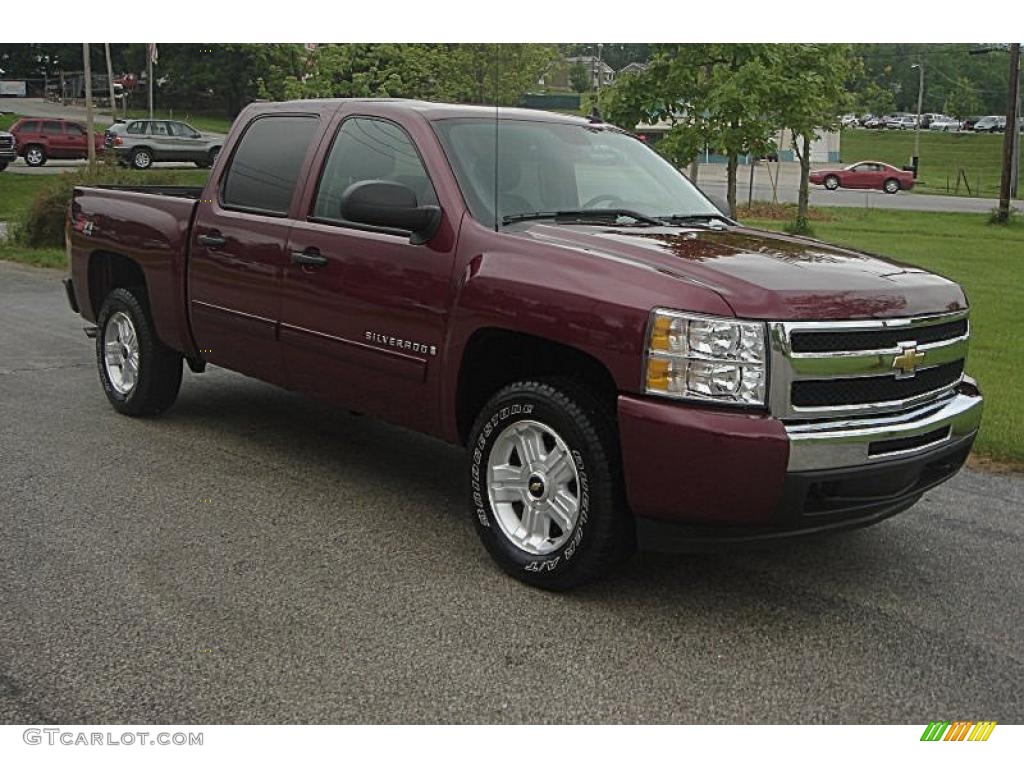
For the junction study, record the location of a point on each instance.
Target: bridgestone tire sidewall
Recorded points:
(563, 567)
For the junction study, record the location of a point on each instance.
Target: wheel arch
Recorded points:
(494, 357)
(108, 270)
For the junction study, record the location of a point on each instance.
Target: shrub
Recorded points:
(42, 225)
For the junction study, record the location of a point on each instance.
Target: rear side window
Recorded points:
(75, 130)
(136, 128)
(52, 129)
(266, 163)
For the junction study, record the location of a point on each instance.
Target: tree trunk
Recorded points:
(805, 171)
(730, 194)
(694, 165)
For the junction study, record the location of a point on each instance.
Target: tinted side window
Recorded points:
(75, 130)
(136, 128)
(30, 127)
(266, 163)
(52, 129)
(370, 149)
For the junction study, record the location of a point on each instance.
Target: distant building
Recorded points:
(633, 67)
(824, 148)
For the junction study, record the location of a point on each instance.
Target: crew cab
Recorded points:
(624, 363)
(40, 139)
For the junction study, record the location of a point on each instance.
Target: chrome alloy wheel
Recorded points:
(533, 486)
(34, 156)
(121, 353)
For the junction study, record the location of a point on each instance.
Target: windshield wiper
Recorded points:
(698, 218)
(581, 216)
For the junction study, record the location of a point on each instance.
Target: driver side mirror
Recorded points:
(390, 205)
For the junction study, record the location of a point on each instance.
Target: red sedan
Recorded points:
(865, 175)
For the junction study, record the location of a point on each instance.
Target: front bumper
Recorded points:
(696, 477)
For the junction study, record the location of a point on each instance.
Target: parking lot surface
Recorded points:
(253, 556)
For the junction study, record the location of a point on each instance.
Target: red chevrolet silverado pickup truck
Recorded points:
(624, 364)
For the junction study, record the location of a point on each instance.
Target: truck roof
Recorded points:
(431, 110)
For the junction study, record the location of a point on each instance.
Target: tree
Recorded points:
(808, 93)
(579, 79)
(963, 100)
(711, 95)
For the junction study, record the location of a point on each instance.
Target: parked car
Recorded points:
(865, 175)
(849, 121)
(991, 124)
(141, 143)
(865, 118)
(875, 122)
(969, 123)
(623, 362)
(945, 124)
(8, 149)
(40, 139)
(901, 122)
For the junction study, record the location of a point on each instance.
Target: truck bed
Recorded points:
(148, 225)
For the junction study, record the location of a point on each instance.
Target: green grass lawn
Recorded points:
(942, 154)
(211, 123)
(989, 262)
(17, 190)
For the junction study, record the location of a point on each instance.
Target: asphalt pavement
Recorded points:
(253, 556)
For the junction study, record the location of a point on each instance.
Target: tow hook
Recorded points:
(91, 331)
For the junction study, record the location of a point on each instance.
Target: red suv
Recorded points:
(40, 139)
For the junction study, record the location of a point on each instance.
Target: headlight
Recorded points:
(697, 357)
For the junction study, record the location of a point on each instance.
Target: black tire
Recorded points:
(211, 158)
(891, 186)
(35, 155)
(831, 182)
(3, 165)
(142, 159)
(603, 533)
(159, 367)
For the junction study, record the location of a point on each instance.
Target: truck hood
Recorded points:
(766, 275)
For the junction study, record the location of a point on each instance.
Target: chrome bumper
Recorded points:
(862, 442)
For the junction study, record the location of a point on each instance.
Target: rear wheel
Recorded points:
(3, 165)
(140, 375)
(832, 182)
(891, 186)
(35, 155)
(545, 485)
(142, 159)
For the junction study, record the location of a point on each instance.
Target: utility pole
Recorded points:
(917, 129)
(110, 81)
(1010, 136)
(88, 107)
(150, 51)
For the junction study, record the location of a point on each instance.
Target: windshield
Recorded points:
(550, 167)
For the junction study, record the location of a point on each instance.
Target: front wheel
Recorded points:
(891, 186)
(35, 156)
(831, 183)
(140, 375)
(3, 165)
(545, 485)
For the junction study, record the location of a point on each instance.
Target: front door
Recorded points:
(239, 247)
(364, 311)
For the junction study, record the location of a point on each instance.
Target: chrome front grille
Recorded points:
(6, 142)
(826, 370)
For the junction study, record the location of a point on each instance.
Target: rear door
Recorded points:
(75, 140)
(365, 326)
(239, 245)
(53, 136)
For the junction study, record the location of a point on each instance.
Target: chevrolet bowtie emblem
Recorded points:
(906, 362)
